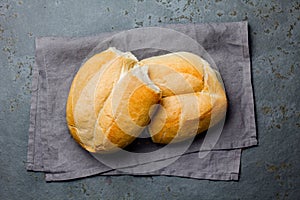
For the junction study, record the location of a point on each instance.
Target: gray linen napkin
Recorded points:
(51, 148)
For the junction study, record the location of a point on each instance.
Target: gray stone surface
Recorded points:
(269, 171)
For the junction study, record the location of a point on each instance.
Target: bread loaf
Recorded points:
(112, 96)
(89, 115)
(196, 102)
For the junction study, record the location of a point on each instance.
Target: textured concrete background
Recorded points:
(269, 171)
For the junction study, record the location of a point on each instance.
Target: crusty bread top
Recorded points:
(84, 104)
(126, 111)
(104, 83)
(112, 95)
(186, 113)
(175, 73)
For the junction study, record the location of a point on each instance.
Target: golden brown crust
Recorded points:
(85, 73)
(108, 78)
(175, 73)
(166, 120)
(81, 110)
(125, 113)
(182, 116)
(110, 100)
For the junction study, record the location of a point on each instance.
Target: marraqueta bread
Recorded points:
(112, 95)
